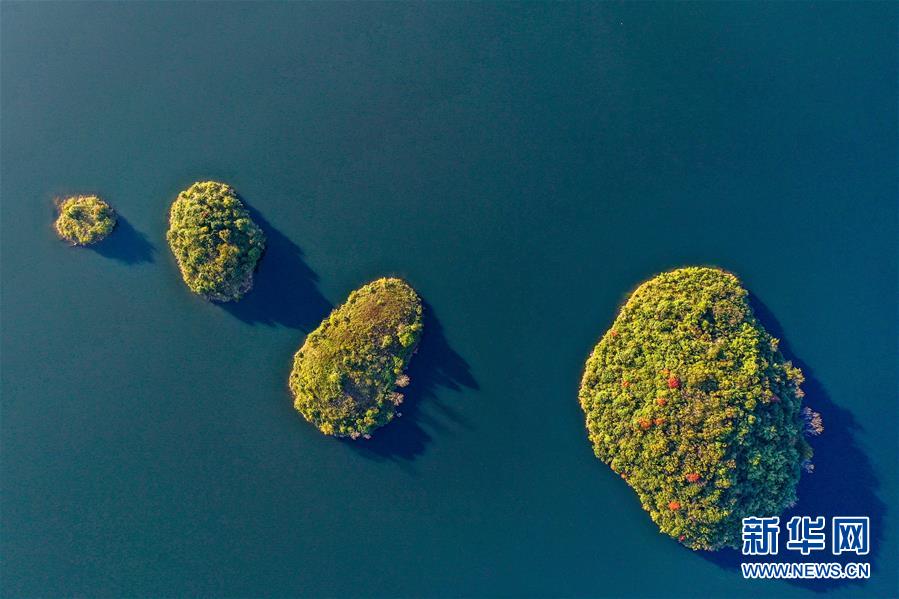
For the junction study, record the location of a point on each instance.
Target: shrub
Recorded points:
(214, 240)
(345, 374)
(84, 220)
(703, 375)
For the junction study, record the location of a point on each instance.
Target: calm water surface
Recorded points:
(524, 167)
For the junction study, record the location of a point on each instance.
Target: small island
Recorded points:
(689, 400)
(345, 376)
(84, 220)
(215, 241)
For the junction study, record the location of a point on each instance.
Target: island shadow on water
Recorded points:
(435, 365)
(843, 483)
(126, 244)
(285, 290)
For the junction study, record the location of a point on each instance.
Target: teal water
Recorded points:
(524, 167)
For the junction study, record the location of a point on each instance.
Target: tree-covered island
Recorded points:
(345, 376)
(215, 241)
(84, 220)
(689, 400)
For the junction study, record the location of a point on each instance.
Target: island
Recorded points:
(84, 220)
(689, 400)
(345, 376)
(215, 241)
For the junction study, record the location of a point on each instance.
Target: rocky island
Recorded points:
(215, 241)
(689, 400)
(84, 220)
(346, 374)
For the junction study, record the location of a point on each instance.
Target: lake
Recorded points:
(524, 166)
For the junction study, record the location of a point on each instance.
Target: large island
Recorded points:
(688, 399)
(345, 375)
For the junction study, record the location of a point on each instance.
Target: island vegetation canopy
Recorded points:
(345, 375)
(84, 220)
(688, 398)
(215, 241)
